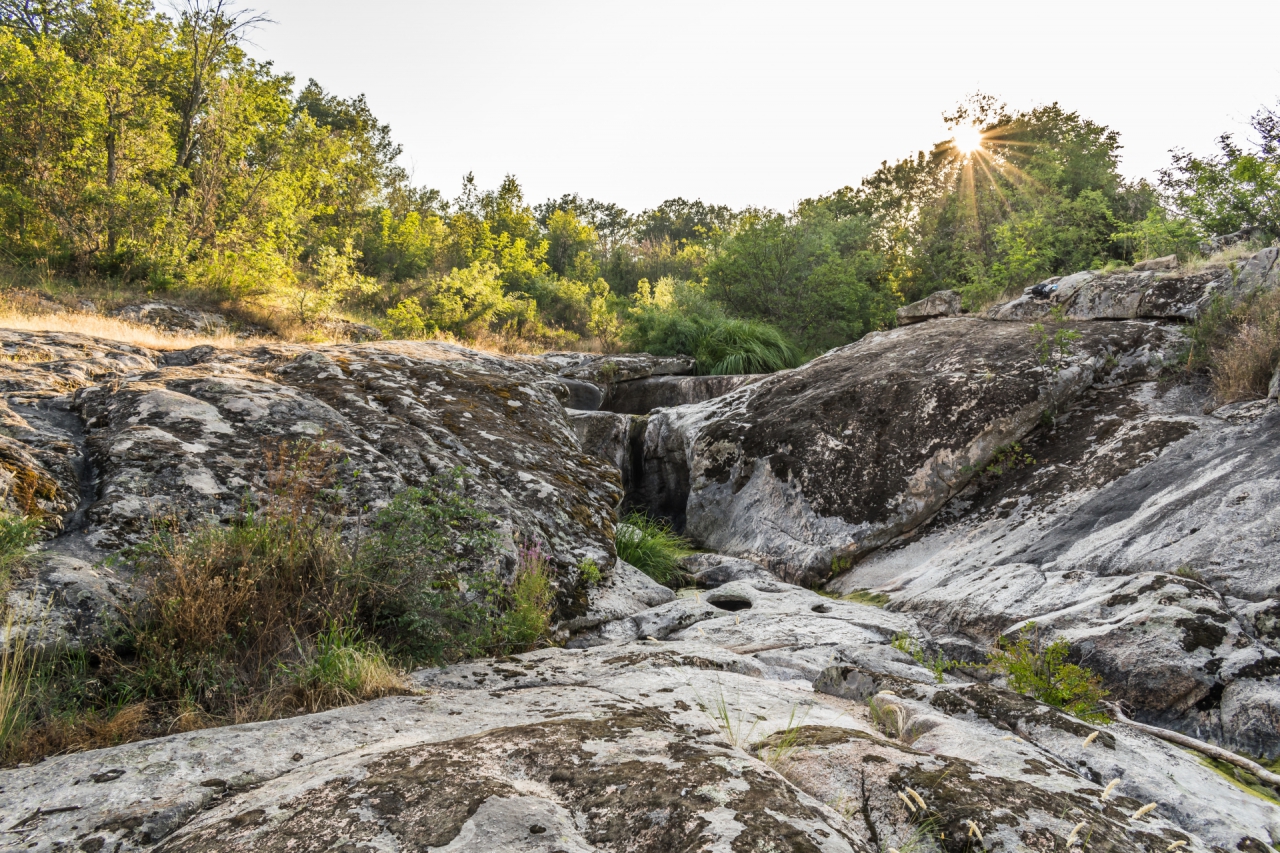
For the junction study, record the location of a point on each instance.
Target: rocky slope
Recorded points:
(980, 471)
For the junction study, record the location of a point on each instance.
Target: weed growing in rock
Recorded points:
(1052, 351)
(1008, 457)
(1237, 345)
(1042, 671)
(589, 572)
(937, 663)
(1190, 573)
(17, 533)
(779, 747)
(527, 617)
(653, 547)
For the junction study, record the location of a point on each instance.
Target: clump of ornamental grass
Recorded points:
(651, 546)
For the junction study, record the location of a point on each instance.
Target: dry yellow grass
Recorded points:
(113, 329)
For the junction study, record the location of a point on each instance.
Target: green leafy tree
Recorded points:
(1239, 186)
(812, 274)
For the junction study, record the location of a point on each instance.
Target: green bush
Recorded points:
(420, 574)
(677, 318)
(653, 547)
(274, 614)
(1036, 669)
(733, 347)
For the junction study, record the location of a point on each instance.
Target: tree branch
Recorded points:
(1220, 754)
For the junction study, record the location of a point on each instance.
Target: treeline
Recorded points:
(150, 149)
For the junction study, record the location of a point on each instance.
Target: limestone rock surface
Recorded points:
(944, 303)
(712, 739)
(812, 468)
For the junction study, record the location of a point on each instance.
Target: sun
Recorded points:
(967, 139)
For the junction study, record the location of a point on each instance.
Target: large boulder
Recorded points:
(808, 470)
(118, 439)
(1154, 290)
(1140, 530)
(944, 303)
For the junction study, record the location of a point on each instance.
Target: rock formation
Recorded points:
(1033, 462)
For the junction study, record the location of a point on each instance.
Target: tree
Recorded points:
(812, 274)
(1238, 187)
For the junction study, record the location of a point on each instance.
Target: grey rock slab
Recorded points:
(709, 570)
(944, 303)
(1168, 262)
(625, 592)
(1132, 488)
(816, 467)
(641, 396)
(191, 441)
(63, 602)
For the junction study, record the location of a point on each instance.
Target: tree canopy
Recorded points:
(147, 148)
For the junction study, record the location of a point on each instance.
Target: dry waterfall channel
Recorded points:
(755, 715)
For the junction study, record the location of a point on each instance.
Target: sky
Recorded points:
(761, 103)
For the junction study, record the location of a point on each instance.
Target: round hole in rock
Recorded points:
(733, 605)
(821, 608)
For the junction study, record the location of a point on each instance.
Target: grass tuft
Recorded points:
(17, 534)
(653, 547)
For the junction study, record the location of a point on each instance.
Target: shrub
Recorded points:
(273, 613)
(422, 573)
(1036, 669)
(1238, 345)
(653, 547)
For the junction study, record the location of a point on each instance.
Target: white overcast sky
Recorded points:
(741, 102)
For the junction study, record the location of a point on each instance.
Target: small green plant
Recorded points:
(1189, 573)
(526, 620)
(778, 749)
(609, 371)
(653, 547)
(1009, 457)
(1052, 351)
(736, 723)
(17, 534)
(345, 669)
(589, 572)
(939, 664)
(1041, 670)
